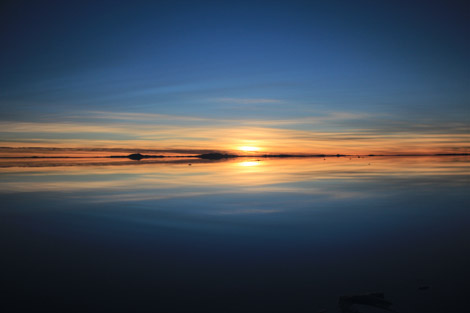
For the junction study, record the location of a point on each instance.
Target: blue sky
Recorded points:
(377, 67)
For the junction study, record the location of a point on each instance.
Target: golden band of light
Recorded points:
(248, 148)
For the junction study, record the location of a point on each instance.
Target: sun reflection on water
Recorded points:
(124, 180)
(249, 163)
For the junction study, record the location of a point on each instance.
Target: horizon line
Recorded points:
(217, 156)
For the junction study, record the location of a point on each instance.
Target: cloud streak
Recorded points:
(325, 132)
(246, 100)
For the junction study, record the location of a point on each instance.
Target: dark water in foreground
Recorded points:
(275, 235)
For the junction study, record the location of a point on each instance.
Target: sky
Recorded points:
(349, 77)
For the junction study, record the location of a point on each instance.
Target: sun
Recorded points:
(248, 148)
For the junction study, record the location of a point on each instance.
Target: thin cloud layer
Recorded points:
(323, 133)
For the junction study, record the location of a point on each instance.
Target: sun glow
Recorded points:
(248, 148)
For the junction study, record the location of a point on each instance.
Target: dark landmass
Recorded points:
(216, 156)
(219, 156)
(137, 156)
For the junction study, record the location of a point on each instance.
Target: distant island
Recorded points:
(137, 156)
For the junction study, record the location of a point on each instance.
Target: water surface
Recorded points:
(242, 235)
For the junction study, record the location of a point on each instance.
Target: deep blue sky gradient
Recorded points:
(223, 59)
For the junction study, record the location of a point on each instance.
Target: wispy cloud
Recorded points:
(246, 100)
(320, 118)
(130, 116)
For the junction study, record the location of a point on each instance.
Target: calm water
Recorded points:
(244, 235)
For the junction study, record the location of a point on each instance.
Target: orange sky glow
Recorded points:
(174, 135)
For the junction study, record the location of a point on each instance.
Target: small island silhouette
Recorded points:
(138, 156)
